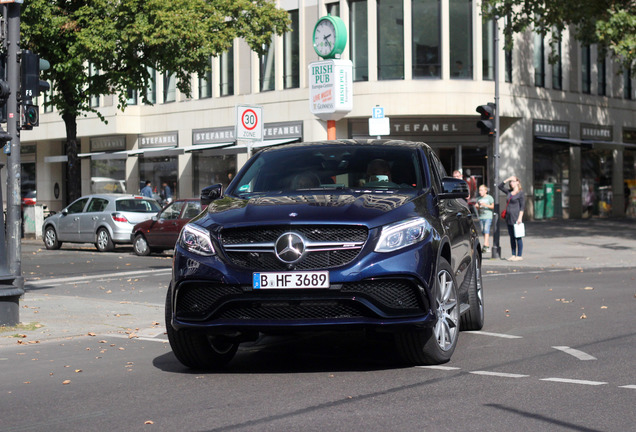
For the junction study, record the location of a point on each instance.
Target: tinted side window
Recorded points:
(137, 205)
(97, 205)
(77, 206)
(437, 168)
(172, 211)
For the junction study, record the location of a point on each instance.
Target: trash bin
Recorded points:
(549, 200)
(539, 202)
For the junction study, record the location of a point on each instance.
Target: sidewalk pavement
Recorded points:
(553, 244)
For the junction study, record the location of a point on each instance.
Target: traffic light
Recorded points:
(5, 92)
(487, 122)
(30, 65)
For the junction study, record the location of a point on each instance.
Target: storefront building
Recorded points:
(568, 130)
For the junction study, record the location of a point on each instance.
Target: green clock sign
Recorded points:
(330, 37)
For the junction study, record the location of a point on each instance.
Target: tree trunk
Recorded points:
(73, 166)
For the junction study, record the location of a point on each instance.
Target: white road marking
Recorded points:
(573, 381)
(630, 386)
(499, 374)
(121, 336)
(448, 368)
(501, 335)
(80, 279)
(574, 352)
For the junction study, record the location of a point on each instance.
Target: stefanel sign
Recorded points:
(331, 88)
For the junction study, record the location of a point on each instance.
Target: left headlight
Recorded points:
(402, 234)
(196, 240)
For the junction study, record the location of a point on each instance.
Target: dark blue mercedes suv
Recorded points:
(331, 235)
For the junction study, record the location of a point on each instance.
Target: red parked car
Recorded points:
(161, 232)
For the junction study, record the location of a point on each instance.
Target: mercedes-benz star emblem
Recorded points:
(289, 247)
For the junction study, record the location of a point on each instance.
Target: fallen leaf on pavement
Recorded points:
(588, 288)
(583, 316)
(91, 334)
(149, 422)
(65, 382)
(603, 307)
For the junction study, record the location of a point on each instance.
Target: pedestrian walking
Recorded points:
(166, 194)
(515, 206)
(147, 190)
(485, 204)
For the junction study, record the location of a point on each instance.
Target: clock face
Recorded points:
(324, 37)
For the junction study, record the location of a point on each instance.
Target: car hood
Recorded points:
(370, 209)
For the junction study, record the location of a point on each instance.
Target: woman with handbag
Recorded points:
(513, 214)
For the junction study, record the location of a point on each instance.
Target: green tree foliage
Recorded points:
(125, 39)
(609, 23)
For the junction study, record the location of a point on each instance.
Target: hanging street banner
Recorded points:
(331, 88)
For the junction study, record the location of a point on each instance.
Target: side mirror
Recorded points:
(64, 212)
(211, 193)
(454, 188)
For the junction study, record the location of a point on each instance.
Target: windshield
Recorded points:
(358, 167)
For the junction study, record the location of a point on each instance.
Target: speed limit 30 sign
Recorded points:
(249, 122)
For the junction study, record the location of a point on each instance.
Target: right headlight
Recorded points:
(196, 240)
(402, 234)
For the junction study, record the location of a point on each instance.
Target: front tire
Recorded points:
(197, 350)
(473, 319)
(140, 245)
(50, 239)
(435, 345)
(104, 241)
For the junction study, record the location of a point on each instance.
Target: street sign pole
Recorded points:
(11, 281)
(496, 249)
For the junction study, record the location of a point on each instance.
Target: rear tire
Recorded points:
(197, 350)
(50, 239)
(473, 319)
(104, 241)
(435, 345)
(140, 245)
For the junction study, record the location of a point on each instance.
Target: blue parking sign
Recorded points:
(378, 112)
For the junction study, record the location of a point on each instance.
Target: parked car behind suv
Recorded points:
(102, 219)
(161, 232)
(328, 236)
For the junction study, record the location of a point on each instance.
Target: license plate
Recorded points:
(291, 280)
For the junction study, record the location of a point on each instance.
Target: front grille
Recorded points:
(197, 300)
(259, 234)
(389, 293)
(327, 246)
(281, 310)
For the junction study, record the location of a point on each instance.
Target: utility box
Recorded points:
(549, 200)
(33, 220)
(539, 202)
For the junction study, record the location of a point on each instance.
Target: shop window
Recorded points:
(291, 53)
(159, 170)
(359, 40)
(108, 176)
(601, 66)
(488, 49)
(131, 97)
(92, 71)
(627, 85)
(557, 67)
(212, 169)
(205, 82)
(586, 70)
(333, 9)
(390, 38)
(461, 38)
(151, 89)
(426, 17)
(539, 60)
(596, 182)
(169, 87)
(226, 73)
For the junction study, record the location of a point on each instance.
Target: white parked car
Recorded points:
(102, 219)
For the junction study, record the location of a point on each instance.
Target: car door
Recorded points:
(165, 230)
(90, 217)
(456, 219)
(68, 225)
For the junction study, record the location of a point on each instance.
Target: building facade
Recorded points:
(568, 129)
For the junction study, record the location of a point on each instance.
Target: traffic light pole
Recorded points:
(11, 280)
(496, 249)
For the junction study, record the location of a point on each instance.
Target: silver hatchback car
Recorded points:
(102, 219)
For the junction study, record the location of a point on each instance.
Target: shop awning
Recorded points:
(55, 159)
(161, 152)
(269, 143)
(585, 143)
(201, 147)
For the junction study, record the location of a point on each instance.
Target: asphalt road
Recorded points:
(557, 353)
